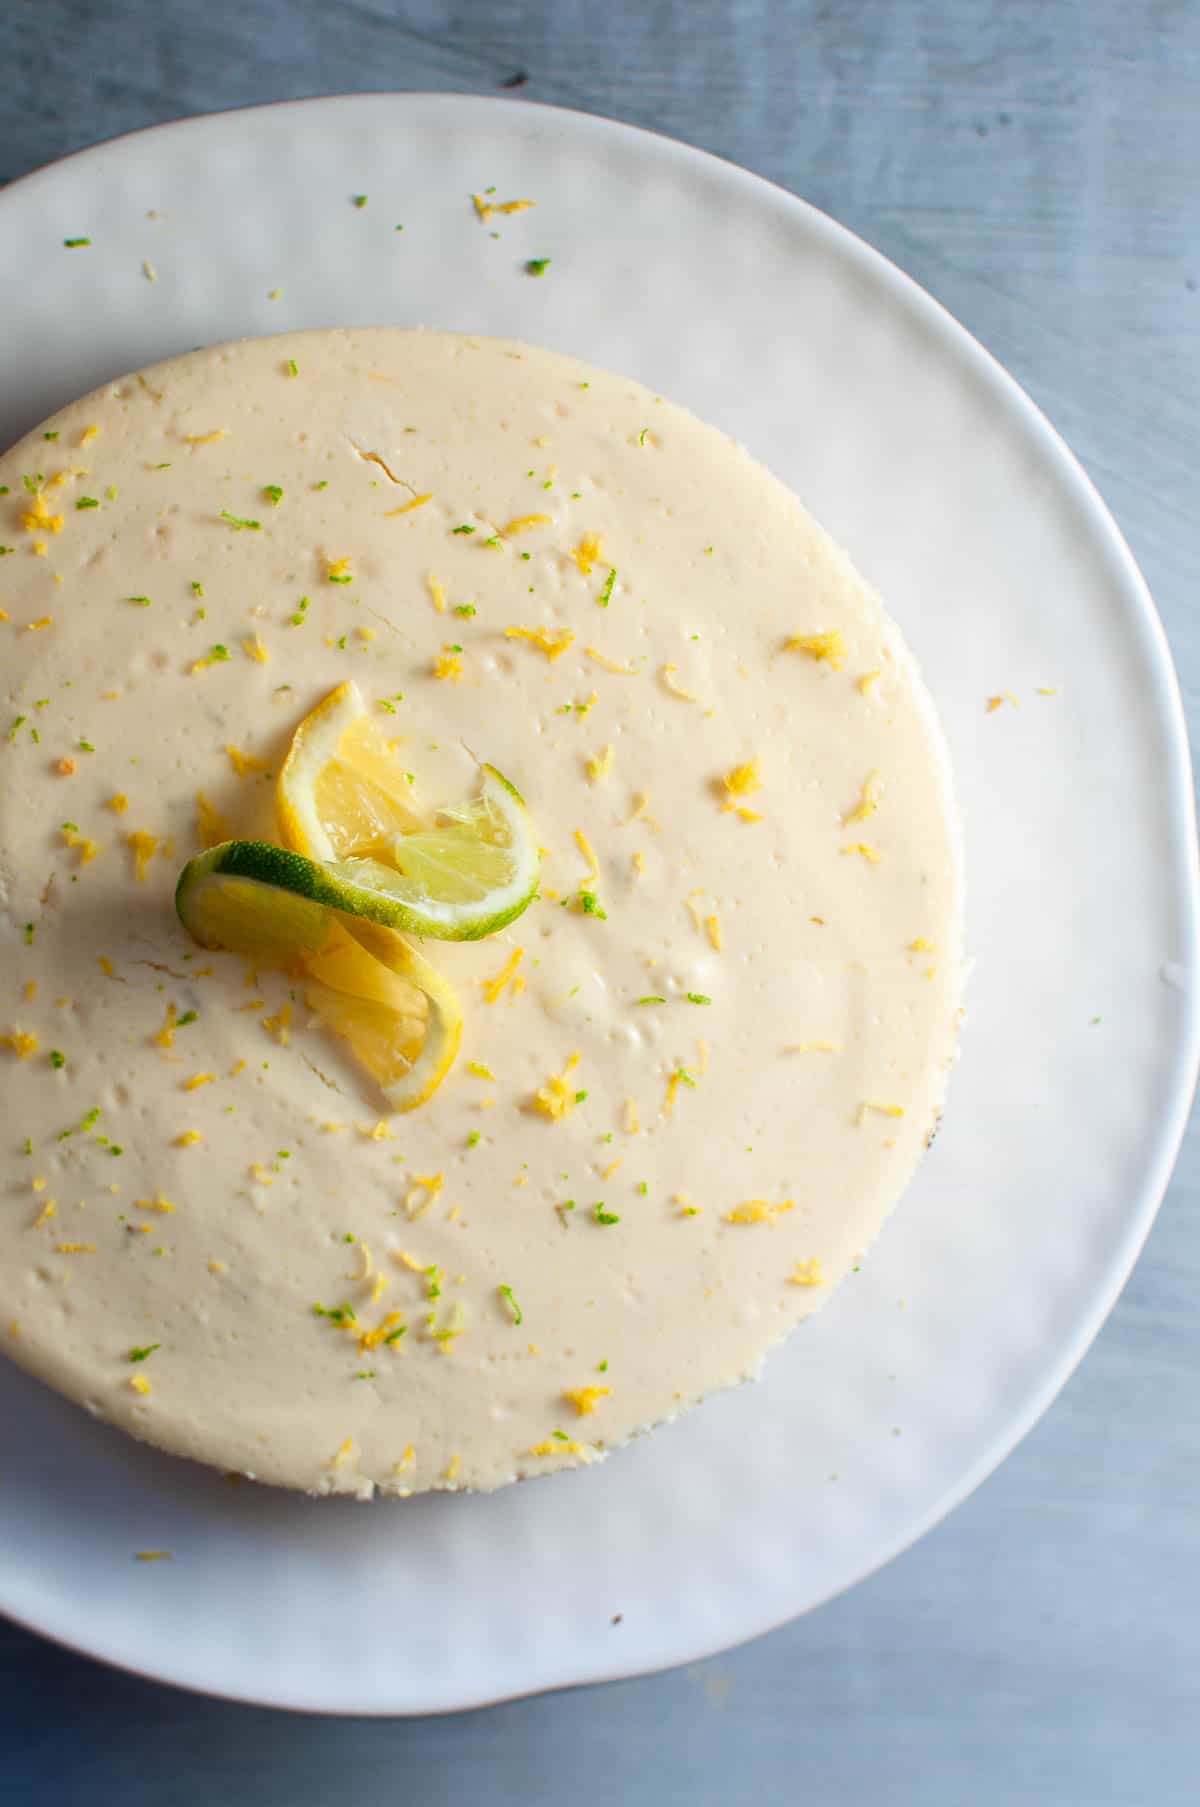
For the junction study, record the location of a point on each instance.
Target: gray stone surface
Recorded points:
(1033, 163)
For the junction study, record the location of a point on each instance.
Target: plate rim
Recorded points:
(1183, 884)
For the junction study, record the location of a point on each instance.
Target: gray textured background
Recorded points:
(1034, 164)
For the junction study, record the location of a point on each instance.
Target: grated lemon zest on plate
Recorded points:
(588, 851)
(448, 666)
(588, 552)
(584, 1398)
(828, 649)
(165, 1038)
(740, 781)
(245, 763)
(423, 1190)
(552, 642)
(868, 801)
(883, 1110)
(667, 674)
(623, 671)
(507, 975)
(599, 765)
(437, 593)
(143, 845)
(871, 854)
(407, 507)
(211, 826)
(807, 1273)
(524, 522)
(38, 518)
(757, 1210)
(557, 1098)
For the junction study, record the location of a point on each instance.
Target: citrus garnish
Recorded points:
(365, 983)
(342, 799)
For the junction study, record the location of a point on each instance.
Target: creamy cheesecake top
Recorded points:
(743, 969)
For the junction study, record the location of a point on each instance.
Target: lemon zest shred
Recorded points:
(599, 765)
(493, 987)
(343, 1454)
(211, 826)
(280, 1025)
(197, 1080)
(139, 1384)
(23, 1042)
(869, 682)
(143, 845)
(423, 1191)
(882, 1110)
(158, 1203)
(829, 648)
(757, 1210)
(588, 851)
(88, 434)
(244, 763)
(713, 925)
(86, 849)
(254, 648)
(559, 1446)
(557, 1098)
(371, 1339)
(48, 1210)
(641, 812)
(207, 438)
(624, 671)
(871, 854)
(118, 803)
(584, 1398)
(552, 642)
(868, 801)
(741, 781)
(922, 945)
(74, 1248)
(631, 1124)
(807, 1273)
(188, 1138)
(588, 552)
(165, 1037)
(485, 208)
(448, 666)
(106, 966)
(407, 507)
(814, 1047)
(524, 522)
(437, 593)
(667, 674)
(38, 518)
(480, 1070)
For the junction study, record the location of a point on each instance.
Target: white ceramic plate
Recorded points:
(954, 495)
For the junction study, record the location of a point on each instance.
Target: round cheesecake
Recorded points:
(695, 1074)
